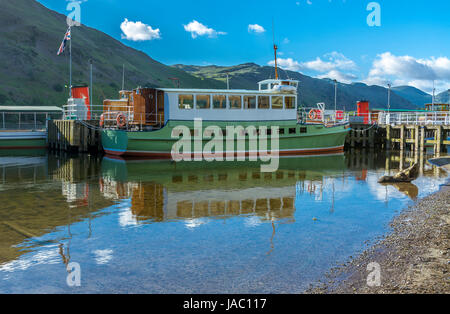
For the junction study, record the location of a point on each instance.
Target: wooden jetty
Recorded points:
(74, 136)
(401, 131)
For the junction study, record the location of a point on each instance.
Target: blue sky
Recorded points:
(321, 38)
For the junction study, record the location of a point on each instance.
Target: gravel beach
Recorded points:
(413, 258)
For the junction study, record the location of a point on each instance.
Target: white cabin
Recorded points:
(275, 100)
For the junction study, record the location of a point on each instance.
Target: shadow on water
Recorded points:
(214, 227)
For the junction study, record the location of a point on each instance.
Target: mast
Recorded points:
(70, 61)
(276, 66)
(275, 48)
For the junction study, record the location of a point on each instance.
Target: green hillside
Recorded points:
(32, 73)
(443, 97)
(414, 95)
(311, 91)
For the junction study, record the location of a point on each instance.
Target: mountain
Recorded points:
(32, 73)
(414, 95)
(311, 91)
(443, 97)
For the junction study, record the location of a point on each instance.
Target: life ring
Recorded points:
(102, 120)
(121, 120)
(312, 114)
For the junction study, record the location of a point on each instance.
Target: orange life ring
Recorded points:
(102, 120)
(312, 114)
(121, 120)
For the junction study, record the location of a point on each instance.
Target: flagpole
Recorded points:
(70, 53)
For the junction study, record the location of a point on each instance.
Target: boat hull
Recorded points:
(22, 140)
(311, 140)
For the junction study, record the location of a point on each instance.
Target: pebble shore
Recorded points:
(414, 257)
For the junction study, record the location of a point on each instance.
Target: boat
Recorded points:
(143, 121)
(23, 139)
(24, 127)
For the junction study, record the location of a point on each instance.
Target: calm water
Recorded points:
(160, 227)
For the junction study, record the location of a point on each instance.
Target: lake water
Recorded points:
(161, 227)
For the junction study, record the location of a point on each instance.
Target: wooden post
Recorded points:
(372, 138)
(438, 139)
(402, 137)
(416, 139)
(388, 137)
(422, 139)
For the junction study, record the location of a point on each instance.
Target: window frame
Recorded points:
(250, 96)
(226, 102)
(258, 102)
(282, 102)
(184, 108)
(240, 102)
(209, 101)
(294, 102)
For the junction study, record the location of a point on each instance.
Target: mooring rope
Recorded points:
(362, 131)
(89, 126)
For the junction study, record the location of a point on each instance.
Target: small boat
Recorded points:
(23, 139)
(24, 127)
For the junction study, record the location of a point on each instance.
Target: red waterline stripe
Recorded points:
(339, 149)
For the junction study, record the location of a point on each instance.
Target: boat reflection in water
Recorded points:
(163, 190)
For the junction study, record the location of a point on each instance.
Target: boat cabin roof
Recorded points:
(215, 91)
(30, 109)
(274, 81)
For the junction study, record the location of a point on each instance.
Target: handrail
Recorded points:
(26, 120)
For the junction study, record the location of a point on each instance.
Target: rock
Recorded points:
(406, 175)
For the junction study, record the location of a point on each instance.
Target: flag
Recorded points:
(67, 37)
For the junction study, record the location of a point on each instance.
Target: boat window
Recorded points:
(289, 102)
(219, 101)
(263, 102)
(249, 102)
(235, 102)
(186, 101)
(292, 130)
(277, 102)
(203, 101)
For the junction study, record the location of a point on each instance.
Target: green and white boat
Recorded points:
(24, 127)
(142, 122)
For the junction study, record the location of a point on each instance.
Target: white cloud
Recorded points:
(333, 61)
(287, 64)
(339, 76)
(407, 70)
(138, 31)
(255, 28)
(334, 65)
(198, 29)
